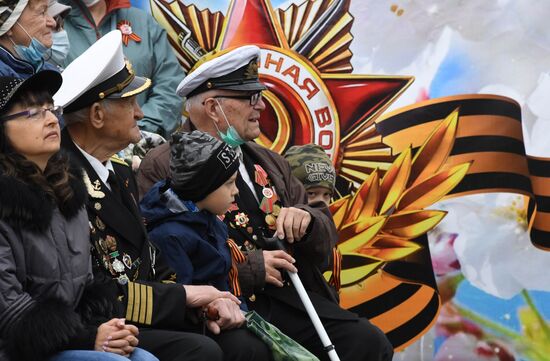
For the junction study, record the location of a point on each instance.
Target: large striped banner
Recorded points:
(490, 136)
(401, 298)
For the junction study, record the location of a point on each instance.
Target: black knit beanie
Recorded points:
(200, 164)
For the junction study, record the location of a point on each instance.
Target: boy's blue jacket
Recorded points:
(193, 242)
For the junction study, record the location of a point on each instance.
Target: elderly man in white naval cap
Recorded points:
(99, 98)
(224, 98)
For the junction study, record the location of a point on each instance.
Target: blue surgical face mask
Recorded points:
(231, 136)
(34, 53)
(60, 47)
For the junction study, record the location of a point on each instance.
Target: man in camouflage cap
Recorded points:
(312, 166)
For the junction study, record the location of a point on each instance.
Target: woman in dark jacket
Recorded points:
(45, 261)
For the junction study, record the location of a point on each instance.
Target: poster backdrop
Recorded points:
(435, 115)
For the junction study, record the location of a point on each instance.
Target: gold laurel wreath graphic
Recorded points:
(379, 221)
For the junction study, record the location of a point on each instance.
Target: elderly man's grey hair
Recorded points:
(197, 100)
(194, 101)
(79, 116)
(82, 115)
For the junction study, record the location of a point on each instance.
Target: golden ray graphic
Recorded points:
(304, 26)
(191, 32)
(312, 97)
(379, 221)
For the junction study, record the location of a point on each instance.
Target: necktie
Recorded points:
(115, 187)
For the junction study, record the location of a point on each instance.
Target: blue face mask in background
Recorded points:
(231, 136)
(34, 53)
(60, 48)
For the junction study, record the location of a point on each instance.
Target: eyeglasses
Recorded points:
(36, 113)
(254, 98)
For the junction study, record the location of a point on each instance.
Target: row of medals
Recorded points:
(241, 219)
(111, 256)
(271, 217)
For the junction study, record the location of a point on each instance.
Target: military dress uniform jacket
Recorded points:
(126, 269)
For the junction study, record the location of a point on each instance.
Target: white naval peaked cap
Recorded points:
(232, 69)
(98, 73)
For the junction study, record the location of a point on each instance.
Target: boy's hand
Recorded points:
(275, 260)
(292, 224)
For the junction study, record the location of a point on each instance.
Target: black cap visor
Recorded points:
(137, 85)
(46, 80)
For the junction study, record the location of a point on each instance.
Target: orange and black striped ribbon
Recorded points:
(539, 207)
(402, 300)
(489, 134)
(336, 269)
(237, 257)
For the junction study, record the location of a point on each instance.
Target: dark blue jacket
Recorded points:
(193, 242)
(18, 68)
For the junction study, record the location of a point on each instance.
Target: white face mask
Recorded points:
(60, 47)
(89, 3)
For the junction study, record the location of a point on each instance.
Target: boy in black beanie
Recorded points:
(181, 215)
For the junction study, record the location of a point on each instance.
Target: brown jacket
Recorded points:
(153, 168)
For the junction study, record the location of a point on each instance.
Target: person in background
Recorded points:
(60, 40)
(312, 166)
(145, 44)
(25, 37)
(45, 258)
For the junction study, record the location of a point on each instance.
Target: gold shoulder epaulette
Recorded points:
(115, 158)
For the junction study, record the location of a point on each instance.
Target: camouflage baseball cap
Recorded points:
(199, 164)
(311, 165)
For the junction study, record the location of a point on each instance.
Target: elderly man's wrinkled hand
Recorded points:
(223, 314)
(274, 262)
(292, 224)
(198, 296)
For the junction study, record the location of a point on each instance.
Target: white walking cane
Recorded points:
(297, 282)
